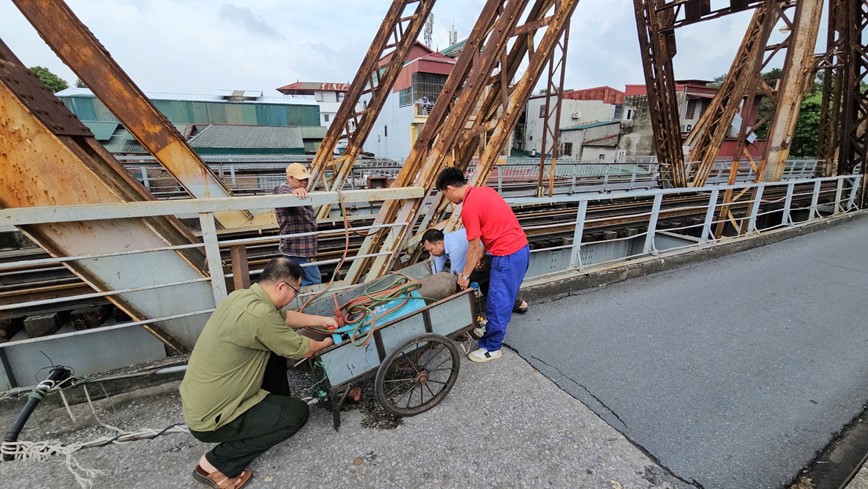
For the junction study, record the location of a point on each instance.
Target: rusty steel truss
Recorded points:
(374, 80)
(474, 116)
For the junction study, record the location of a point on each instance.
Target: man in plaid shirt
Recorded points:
(300, 219)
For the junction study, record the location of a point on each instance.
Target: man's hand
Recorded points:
(463, 282)
(330, 323)
(300, 192)
(316, 346)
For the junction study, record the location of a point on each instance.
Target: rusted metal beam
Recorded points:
(81, 51)
(448, 118)
(48, 158)
(657, 49)
(552, 112)
(850, 71)
(701, 10)
(740, 84)
(396, 36)
(796, 78)
(489, 114)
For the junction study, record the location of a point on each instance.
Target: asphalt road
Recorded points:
(732, 372)
(502, 425)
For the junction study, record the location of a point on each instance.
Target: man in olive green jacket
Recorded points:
(235, 391)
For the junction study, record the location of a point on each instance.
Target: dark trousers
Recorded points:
(264, 425)
(482, 276)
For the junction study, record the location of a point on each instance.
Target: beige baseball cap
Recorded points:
(298, 171)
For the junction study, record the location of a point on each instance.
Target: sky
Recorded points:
(201, 46)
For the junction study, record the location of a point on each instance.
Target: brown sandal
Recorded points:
(217, 480)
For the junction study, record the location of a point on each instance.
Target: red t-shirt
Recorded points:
(485, 214)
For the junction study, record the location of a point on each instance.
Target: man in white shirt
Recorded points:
(452, 247)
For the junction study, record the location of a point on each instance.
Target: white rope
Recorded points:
(41, 451)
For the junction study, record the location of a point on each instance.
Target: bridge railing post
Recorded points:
(652, 224)
(709, 215)
(576, 252)
(788, 203)
(815, 199)
(754, 212)
(212, 253)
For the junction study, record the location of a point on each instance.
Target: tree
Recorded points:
(51, 81)
(79, 83)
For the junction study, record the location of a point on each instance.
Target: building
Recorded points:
(328, 96)
(694, 97)
(405, 110)
(579, 108)
(595, 141)
(227, 123)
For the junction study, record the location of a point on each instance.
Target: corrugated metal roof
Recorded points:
(589, 125)
(102, 130)
(254, 137)
(313, 132)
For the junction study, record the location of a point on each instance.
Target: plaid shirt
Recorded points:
(293, 220)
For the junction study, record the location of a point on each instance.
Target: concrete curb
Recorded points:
(557, 285)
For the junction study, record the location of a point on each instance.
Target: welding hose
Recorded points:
(57, 375)
(360, 310)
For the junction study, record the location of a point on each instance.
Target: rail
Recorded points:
(248, 175)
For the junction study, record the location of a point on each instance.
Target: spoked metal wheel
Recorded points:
(417, 374)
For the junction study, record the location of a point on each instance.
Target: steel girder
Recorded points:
(48, 158)
(82, 52)
(552, 112)
(438, 136)
(497, 121)
(657, 45)
(739, 87)
(396, 36)
(494, 104)
(844, 113)
(459, 123)
(796, 78)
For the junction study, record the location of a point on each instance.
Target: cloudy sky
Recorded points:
(199, 46)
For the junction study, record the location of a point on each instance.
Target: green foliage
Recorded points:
(806, 139)
(52, 81)
(79, 83)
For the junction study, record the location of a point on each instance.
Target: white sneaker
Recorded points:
(482, 355)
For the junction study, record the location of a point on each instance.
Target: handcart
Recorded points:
(411, 352)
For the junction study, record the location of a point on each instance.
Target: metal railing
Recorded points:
(21, 357)
(666, 220)
(259, 175)
(668, 225)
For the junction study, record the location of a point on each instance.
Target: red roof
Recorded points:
(606, 94)
(692, 87)
(307, 88)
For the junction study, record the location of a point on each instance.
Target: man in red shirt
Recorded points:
(488, 218)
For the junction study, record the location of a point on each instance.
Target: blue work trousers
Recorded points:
(310, 273)
(507, 273)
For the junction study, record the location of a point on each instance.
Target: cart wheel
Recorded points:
(417, 374)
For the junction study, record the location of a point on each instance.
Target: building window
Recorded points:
(530, 138)
(567, 149)
(619, 110)
(629, 115)
(423, 85)
(405, 97)
(542, 111)
(691, 109)
(602, 156)
(325, 117)
(385, 131)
